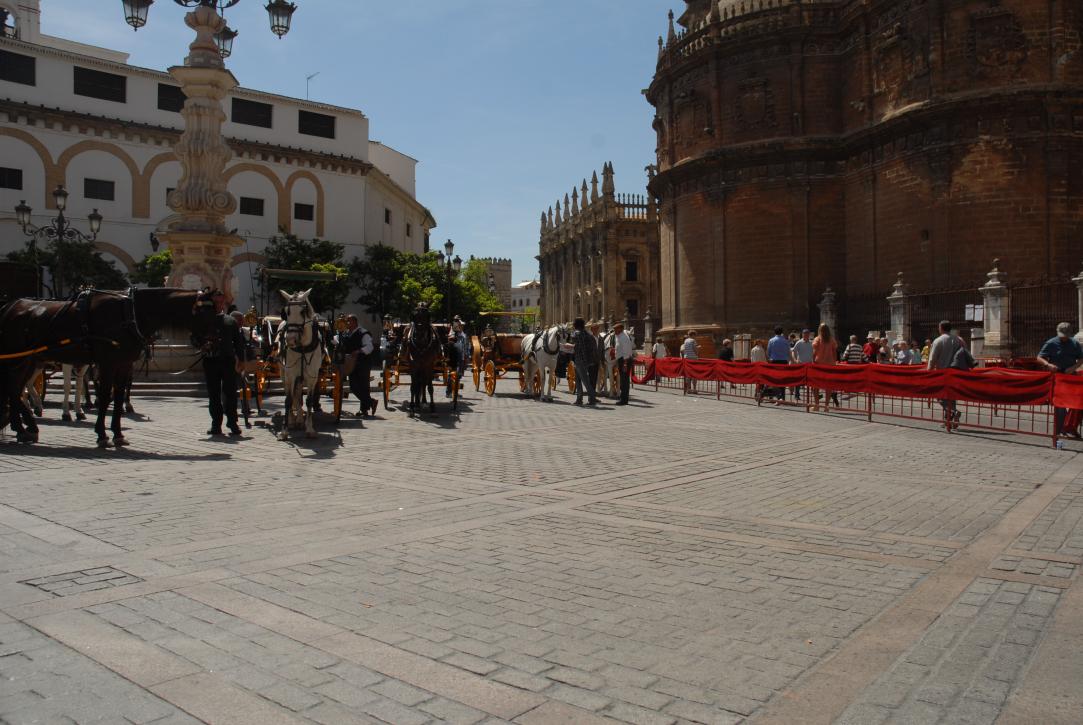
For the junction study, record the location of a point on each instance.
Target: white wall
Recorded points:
(401, 168)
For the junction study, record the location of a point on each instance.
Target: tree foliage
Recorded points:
(73, 264)
(289, 251)
(393, 283)
(154, 269)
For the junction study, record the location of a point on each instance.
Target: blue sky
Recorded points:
(506, 103)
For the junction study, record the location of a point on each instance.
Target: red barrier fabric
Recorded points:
(1068, 391)
(837, 378)
(997, 385)
(994, 385)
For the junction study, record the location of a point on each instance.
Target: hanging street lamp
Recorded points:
(224, 40)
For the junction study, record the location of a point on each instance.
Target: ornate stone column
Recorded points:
(202, 246)
(829, 311)
(995, 297)
(900, 310)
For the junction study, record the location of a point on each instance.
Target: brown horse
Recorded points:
(423, 348)
(106, 329)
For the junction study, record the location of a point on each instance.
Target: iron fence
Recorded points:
(1035, 311)
(927, 309)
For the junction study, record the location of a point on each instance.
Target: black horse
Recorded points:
(423, 348)
(106, 329)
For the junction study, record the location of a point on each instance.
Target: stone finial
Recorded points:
(899, 289)
(594, 187)
(609, 188)
(575, 201)
(544, 225)
(661, 46)
(567, 208)
(559, 220)
(583, 193)
(551, 217)
(671, 34)
(995, 277)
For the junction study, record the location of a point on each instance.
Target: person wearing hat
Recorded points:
(584, 353)
(459, 348)
(1061, 354)
(623, 351)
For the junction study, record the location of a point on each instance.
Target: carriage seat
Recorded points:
(509, 345)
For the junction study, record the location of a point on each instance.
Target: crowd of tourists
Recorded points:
(1061, 354)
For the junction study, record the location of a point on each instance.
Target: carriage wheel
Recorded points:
(522, 382)
(260, 382)
(536, 384)
(614, 383)
(490, 378)
(39, 386)
(477, 376)
(337, 393)
(385, 384)
(571, 378)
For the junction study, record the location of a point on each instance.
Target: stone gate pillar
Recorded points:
(996, 299)
(900, 311)
(829, 312)
(648, 330)
(1079, 304)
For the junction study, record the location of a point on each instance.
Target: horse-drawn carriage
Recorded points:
(495, 354)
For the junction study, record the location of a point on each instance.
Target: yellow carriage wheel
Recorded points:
(522, 382)
(337, 376)
(571, 378)
(490, 378)
(386, 385)
(536, 384)
(39, 386)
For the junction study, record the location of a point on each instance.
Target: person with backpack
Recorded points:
(360, 351)
(942, 356)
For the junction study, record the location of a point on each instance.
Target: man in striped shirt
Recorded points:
(854, 353)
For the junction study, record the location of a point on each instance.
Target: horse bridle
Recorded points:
(298, 328)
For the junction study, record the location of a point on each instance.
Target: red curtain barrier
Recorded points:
(1068, 392)
(992, 385)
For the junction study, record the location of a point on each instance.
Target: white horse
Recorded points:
(76, 374)
(302, 355)
(539, 357)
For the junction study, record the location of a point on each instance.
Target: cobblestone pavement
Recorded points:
(680, 560)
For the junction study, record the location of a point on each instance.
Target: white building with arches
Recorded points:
(83, 117)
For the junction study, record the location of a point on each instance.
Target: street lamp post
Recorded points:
(452, 267)
(59, 229)
(197, 235)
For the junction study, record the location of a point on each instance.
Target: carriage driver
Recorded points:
(458, 346)
(223, 357)
(359, 343)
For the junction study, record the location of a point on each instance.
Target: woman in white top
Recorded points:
(659, 350)
(758, 354)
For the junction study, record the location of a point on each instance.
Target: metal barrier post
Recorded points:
(869, 398)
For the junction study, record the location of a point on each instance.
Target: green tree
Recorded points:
(472, 295)
(288, 251)
(376, 276)
(73, 264)
(154, 269)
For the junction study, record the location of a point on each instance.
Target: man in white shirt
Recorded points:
(623, 351)
(801, 354)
